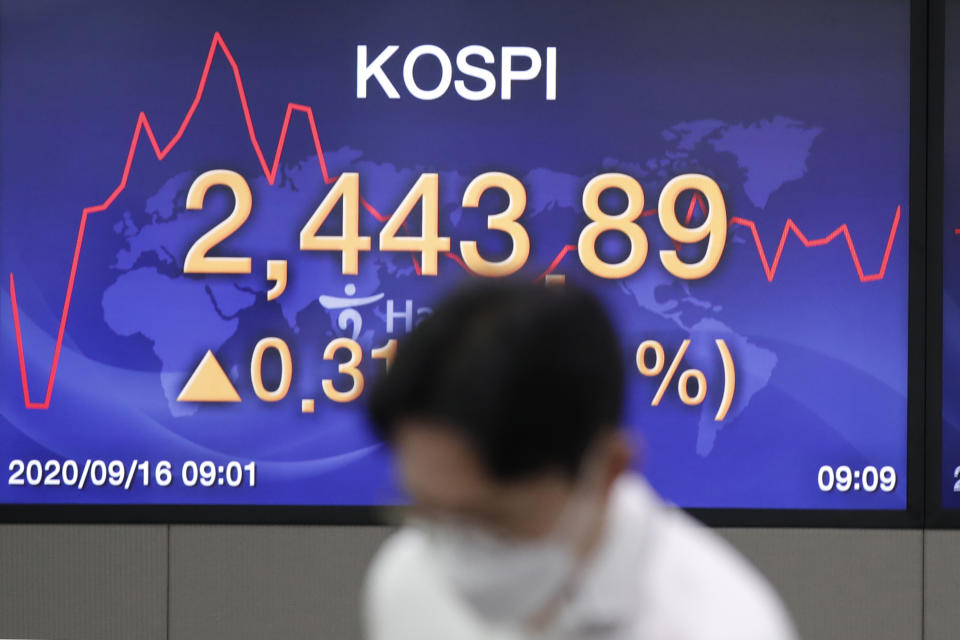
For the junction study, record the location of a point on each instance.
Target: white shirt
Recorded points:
(656, 575)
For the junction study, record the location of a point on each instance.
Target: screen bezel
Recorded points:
(924, 335)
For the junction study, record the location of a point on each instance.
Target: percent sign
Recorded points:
(729, 375)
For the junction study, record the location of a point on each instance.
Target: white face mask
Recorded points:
(511, 581)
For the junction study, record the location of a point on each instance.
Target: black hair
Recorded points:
(529, 375)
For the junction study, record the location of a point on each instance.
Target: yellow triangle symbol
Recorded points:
(209, 383)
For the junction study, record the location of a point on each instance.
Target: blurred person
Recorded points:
(503, 409)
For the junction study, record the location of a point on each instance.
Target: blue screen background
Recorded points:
(799, 111)
(951, 266)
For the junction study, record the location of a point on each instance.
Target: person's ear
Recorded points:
(617, 455)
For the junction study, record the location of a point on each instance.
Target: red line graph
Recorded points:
(770, 268)
(270, 172)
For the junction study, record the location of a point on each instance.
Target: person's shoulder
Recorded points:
(401, 569)
(712, 587)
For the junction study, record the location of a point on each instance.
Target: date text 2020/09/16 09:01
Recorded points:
(125, 475)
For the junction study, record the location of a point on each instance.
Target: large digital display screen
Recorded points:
(950, 461)
(217, 219)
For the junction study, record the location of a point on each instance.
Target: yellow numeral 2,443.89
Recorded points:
(429, 243)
